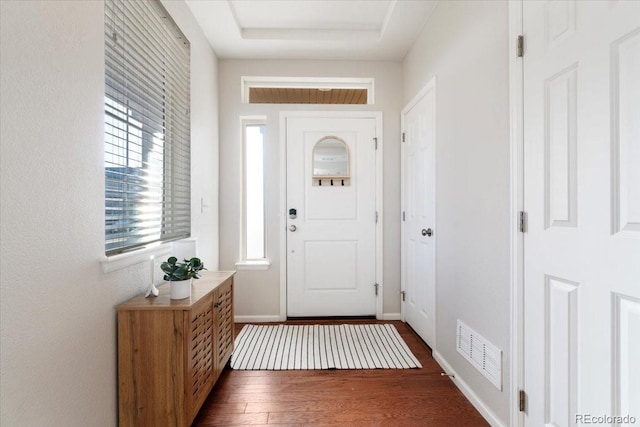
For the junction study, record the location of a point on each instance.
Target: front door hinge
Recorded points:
(402, 136)
(522, 400)
(403, 216)
(375, 141)
(520, 47)
(376, 217)
(376, 286)
(403, 293)
(523, 222)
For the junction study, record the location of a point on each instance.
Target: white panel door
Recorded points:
(418, 204)
(331, 241)
(582, 196)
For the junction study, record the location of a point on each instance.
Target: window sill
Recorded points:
(118, 262)
(263, 264)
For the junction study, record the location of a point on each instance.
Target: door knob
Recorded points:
(292, 228)
(427, 232)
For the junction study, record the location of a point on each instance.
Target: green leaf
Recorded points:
(166, 267)
(182, 272)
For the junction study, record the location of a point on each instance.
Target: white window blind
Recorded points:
(147, 127)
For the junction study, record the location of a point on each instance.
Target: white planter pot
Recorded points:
(180, 289)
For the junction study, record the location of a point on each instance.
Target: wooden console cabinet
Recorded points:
(171, 352)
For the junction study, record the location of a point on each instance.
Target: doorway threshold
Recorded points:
(330, 318)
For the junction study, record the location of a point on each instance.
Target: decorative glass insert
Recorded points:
(331, 162)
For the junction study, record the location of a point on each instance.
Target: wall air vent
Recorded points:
(483, 355)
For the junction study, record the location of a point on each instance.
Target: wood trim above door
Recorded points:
(377, 115)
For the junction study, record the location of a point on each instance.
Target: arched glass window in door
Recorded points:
(331, 162)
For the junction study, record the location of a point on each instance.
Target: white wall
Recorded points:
(464, 44)
(58, 324)
(204, 136)
(258, 292)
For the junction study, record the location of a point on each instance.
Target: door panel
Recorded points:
(343, 254)
(418, 226)
(582, 190)
(331, 247)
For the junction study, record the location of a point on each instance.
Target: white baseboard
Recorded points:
(469, 393)
(391, 316)
(256, 319)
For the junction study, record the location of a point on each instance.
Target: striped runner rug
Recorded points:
(290, 347)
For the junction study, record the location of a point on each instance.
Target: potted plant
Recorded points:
(181, 274)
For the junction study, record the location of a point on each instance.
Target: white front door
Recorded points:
(331, 216)
(582, 197)
(418, 205)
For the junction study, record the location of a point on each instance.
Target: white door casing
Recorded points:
(581, 292)
(419, 214)
(331, 245)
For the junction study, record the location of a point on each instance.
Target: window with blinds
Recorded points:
(147, 127)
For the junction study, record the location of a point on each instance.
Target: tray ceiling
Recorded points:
(311, 29)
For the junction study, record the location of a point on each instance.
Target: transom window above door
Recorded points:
(307, 90)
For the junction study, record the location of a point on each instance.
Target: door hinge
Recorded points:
(522, 400)
(375, 141)
(403, 216)
(520, 47)
(404, 294)
(376, 217)
(523, 222)
(376, 286)
(402, 136)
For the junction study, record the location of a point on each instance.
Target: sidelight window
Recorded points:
(253, 235)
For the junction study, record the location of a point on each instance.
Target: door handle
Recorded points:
(292, 227)
(427, 232)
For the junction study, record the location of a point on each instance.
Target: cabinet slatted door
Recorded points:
(224, 325)
(200, 350)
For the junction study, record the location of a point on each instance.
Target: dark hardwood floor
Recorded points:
(391, 397)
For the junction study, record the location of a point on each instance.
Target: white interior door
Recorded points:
(582, 196)
(418, 226)
(331, 239)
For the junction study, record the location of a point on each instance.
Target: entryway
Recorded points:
(401, 397)
(332, 214)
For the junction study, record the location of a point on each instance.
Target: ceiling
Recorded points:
(311, 29)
